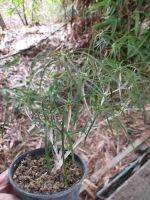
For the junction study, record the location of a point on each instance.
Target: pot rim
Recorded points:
(38, 195)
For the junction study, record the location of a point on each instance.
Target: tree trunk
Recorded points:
(2, 23)
(24, 13)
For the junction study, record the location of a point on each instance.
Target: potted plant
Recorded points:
(55, 171)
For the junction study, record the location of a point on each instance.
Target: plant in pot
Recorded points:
(54, 106)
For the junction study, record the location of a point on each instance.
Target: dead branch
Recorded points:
(22, 50)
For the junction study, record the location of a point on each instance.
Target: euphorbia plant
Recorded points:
(55, 106)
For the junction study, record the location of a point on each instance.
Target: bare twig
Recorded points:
(24, 13)
(69, 117)
(19, 15)
(85, 102)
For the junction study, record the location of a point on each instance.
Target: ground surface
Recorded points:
(32, 175)
(137, 187)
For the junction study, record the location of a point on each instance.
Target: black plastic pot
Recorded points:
(69, 194)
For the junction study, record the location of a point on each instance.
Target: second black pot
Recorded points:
(69, 194)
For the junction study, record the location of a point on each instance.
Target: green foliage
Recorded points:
(17, 2)
(120, 31)
(122, 47)
(53, 102)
